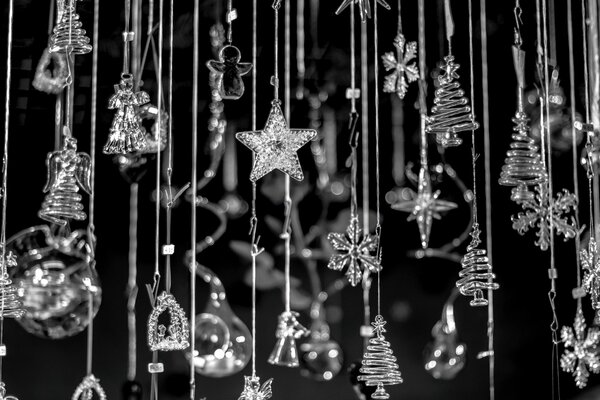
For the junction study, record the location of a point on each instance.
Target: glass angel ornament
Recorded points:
(254, 391)
(582, 357)
(87, 388)
(229, 71)
(68, 36)
(68, 171)
(285, 353)
(451, 113)
(379, 367)
(354, 250)
(55, 281)
(403, 71)
(126, 133)
(176, 335)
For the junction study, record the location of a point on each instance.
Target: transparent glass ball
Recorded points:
(54, 281)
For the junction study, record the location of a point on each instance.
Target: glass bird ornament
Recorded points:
(364, 7)
(451, 113)
(354, 249)
(229, 72)
(590, 263)
(51, 80)
(285, 353)
(223, 341)
(424, 206)
(68, 35)
(86, 389)
(10, 305)
(68, 171)
(445, 356)
(539, 211)
(276, 145)
(254, 391)
(55, 281)
(403, 71)
(476, 274)
(3, 395)
(126, 133)
(379, 367)
(581, 354)
(176, 335)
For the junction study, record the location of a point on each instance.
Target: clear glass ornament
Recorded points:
(87, 388)
(285, 352)
(68, 36)
(223, 341)
(173, 336)
(445, 356)
(54, 281)
(51, 80)
(254, 391)
(229, 71)
(403, 71)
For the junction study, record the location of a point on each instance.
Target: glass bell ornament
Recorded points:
(223, 341)
(321, 358)
(285, 352)
(54, 281)
(445, 356)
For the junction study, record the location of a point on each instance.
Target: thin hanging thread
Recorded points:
(229, 21)
(9, 44)
(194, 194)
(377, 194)
(132, 287)
(364, 81)
(91, 226)
(586, 84)
(474, 155)
(300, 44)
(254, 219)
(126, 37)
(399, 16)
(287, 227)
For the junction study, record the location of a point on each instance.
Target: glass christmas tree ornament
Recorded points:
(55, 281)
(254, 391)
(68, 36)
(10, 305)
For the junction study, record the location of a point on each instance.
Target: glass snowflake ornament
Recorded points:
(538, 213)
(253, 390)
(364, 7)
(354, 250)
(87, 388)
(582, 356)
(276, 146)
(404, 72)
(176, 336)
(590, 263)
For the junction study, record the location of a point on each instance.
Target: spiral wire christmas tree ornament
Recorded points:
(68, 36)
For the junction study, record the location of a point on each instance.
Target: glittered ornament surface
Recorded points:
(403, 71)
(276, 145)
(11, 306)
(176, 335)
(590, 263)
(580, 356)
(87, 388)
(355, 251)
(254, 391)
(68, 35)
(229, 71)
(51, 80)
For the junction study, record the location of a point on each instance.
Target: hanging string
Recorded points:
(352, 61)
(449, 25)
(399, 16)
(126, 37)
(474, 155)
(9, 45)
(286, 234)
(194, 194)
(230, 18)
(275, 80)
(377, 189)
(300, 52)
(132, 287)
(254, 220)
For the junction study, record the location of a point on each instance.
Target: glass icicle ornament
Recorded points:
(451, 113)
(285, 353)
(126, 132)
(476, 273)
(68, 171)
(379, 367)
(11, 306)
(176, 335)
(403, 71)
(87, 388)
(68, 36)
(254, 391)
(582, 357)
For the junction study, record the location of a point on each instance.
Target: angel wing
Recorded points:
(216, 66)
(265, 391)
(244, 68)
(83, 173)
(52, 168)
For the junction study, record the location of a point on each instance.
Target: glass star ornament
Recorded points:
(424, 206)
(403, 71)
(354, 250)
(590, 263)
(276, 146)
(364, 7)
(538, 213)
(229, 71)
(87, 388)
(582, 356)
(254, 391)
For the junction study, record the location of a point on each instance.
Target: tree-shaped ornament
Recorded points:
(254, 391)
(582, 357)
(229, 72)
(403, 71)
(355, 250)
(276, 145)
(87, 388)
(476, 274)
(68, 36)
(379, 367)
(176, 335)
(68, 171)
(12, 307)
(126, 132)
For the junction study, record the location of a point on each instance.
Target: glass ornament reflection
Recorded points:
(285, 352)
(54, 281)
(223, 341)
(445, 356)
